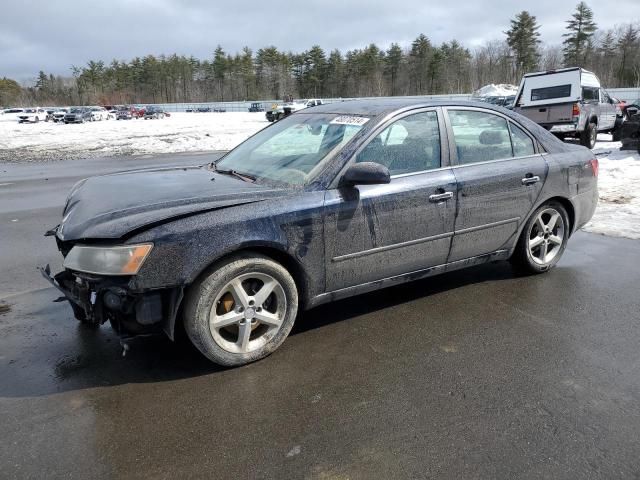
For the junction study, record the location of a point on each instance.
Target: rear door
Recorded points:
(380, 231)
(499, 173)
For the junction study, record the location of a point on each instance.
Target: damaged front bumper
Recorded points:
(97, 299)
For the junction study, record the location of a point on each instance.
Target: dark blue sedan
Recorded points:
(328, 203)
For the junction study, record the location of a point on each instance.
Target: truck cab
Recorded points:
(569, 103)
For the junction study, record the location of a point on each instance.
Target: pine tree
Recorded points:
(628, 47)
(393, 60)
(580, 28)
(523, 38)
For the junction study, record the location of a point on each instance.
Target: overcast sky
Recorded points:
(52, 35)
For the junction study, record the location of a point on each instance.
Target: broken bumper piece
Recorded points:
(96, 299)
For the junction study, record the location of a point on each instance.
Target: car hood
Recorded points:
(112, 206)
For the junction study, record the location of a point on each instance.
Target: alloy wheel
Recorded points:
(546, 236)
(247, 312)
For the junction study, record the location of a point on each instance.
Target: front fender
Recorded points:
(184, 248)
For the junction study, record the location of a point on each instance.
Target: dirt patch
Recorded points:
(618, 199)
(4, 308)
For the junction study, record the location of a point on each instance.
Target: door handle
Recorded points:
(439, 197)
(530, 180)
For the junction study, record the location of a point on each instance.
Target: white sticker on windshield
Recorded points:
(349, 120)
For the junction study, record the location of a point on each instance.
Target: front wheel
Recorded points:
(543, 239)
(241, 310)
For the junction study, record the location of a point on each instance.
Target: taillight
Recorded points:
(594, 166)
(576, 110)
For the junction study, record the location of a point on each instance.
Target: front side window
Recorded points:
(480, 136)
(293, 150)
(410, 144)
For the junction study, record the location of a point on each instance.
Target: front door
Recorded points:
(380, 231)
(500, 175)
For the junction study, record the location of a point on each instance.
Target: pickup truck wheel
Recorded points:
(241, 310)
(589, 135)
(543, 239)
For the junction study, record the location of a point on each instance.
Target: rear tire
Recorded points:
(227, 317)
(589, 135)
(543, 239)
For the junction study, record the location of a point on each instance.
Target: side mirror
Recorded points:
(366, 173)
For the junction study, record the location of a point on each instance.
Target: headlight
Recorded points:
(120, 260)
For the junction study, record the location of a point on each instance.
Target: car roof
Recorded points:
(379, 106)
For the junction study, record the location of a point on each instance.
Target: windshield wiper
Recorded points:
(245, 177)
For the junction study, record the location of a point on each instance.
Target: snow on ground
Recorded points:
(181, 132)
(618, 212)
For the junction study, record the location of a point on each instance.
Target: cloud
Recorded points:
(52, 36)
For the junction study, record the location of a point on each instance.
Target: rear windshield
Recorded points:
(547, 93)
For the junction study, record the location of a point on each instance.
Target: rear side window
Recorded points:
(522, 143)
(548, 93)
(480, 136)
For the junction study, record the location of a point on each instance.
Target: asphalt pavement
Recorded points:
(473, 374)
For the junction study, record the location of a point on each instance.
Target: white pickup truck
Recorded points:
(569, 103)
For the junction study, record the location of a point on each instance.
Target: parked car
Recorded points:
(13, 110)
(153, 113)
(630, 131)
(327, 203)
(78, 115)
(138, 112)
(58, 114)
(112, 111)
(279, 111)
(256, 107)
(98, 114)
(49, 112)
(32, 115)
(569, 103)
(124, 113)
(275, 113)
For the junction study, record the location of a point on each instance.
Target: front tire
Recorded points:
(543, 239)
(241, 309)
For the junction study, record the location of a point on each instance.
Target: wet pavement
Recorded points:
(473, 374)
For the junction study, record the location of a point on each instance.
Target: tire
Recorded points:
(213, 296)
(589, 135)
(528, 258)
(616, 133)
(37, 120)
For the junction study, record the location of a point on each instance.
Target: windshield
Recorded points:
(76, 110)
(293, 150)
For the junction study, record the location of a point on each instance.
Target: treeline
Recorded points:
(268, 73)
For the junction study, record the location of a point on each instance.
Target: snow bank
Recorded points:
(493, 90)
(618, 212)
(181, 132)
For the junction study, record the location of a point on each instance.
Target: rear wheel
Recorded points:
(241, 310)
(543, 239)
(589, 135)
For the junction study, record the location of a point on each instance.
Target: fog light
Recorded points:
(112, 301)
